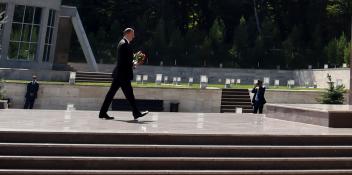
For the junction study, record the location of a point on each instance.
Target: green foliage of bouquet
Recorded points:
(139, 58)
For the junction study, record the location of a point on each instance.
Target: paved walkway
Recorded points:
(188, 123)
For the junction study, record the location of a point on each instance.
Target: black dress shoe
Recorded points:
(105, 116)
(139, 114)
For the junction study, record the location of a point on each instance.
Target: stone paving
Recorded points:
(178, 123)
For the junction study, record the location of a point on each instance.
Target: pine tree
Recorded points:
(217, 31)
(334, 94)
(176, 48)
(240, 44)
(337, 50)
(205, 51)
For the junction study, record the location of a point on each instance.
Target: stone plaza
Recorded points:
(198, 130)
(77, 142)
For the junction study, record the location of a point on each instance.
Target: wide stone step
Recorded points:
(175, 172)
(236, 103)
(236, 96)
(236, 106)
(235, 90)
(84, 78)
(93, 79)
(32, 149)
(92, 73)
(235, 99)
(171, 139)
(234, 110)
(234, 93)
(172, 163)
(241, 93)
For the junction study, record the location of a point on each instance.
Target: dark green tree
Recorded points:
(334, 94)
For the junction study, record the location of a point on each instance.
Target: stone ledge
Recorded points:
(3, 104)
(334, 116)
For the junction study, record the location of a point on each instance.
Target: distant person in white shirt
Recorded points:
(258, 100)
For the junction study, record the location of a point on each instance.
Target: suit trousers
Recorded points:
(258, 106)
(29, 103)
(126, 89)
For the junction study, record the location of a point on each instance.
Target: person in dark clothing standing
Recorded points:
(32, 93)
(258, 100)
(122, 77)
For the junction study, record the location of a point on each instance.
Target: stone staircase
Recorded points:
(61, 153)
(235, 98)
(94, 77)
(63, 67)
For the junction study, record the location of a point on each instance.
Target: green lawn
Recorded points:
(153, 85)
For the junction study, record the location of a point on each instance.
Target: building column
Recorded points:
(83, 40)
(54, 37)
(10, 10)
(42, 35)
(63, 43)
(350, 89)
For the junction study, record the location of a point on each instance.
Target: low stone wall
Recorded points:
(292, 97)
(246, 75)
(26, 74)
(191, 100)
(320, 76)
(91, 97)
(214, 74)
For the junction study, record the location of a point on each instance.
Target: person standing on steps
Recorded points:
(32, 93)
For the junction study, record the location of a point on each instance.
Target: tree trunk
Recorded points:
(256, 16)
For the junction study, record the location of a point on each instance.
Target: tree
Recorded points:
(240, 44)
(316, 56)
(347, 53)
(205, 50)
(291, 48)
(334, 94)
(176, 48)
(256, 16)
(339, 7)
(337, 50)
(102, 49)
(291, 32)
(331, 51)
(217, 31)
(159, 43)
(258, 53)
(271, 44)
(216, 36)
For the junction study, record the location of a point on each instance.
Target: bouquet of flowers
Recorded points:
(139, 57)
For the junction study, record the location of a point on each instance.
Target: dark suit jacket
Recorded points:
(124, 67)
(261, 94)
(32, 90)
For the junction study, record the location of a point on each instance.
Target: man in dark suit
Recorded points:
(31, 94)
(258, 100)
(122, 77)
